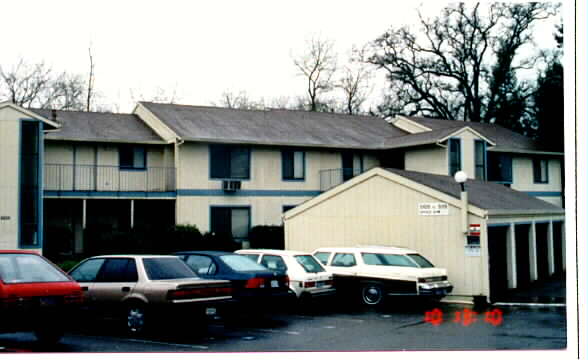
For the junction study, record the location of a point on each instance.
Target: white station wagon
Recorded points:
(308, 278)
(377, 271)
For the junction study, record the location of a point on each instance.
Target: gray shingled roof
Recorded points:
(423, 138)
(505, 139)
(483, 194)
(101, 127)
(274, 127)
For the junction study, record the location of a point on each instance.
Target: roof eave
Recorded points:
(510, 212)
(117, 141)
(525, 151)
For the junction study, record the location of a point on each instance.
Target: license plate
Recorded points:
(210, 311)
(275, 283)
(48, 301)
(320, 284)
(440, 292)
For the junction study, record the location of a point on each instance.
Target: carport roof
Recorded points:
(485, 195)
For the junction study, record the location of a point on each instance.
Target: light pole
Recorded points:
(461, 177)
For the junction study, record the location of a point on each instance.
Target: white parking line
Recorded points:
(274, 331)
(200, 347)
(331, 317)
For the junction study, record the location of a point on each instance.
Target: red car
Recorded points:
(35, 295)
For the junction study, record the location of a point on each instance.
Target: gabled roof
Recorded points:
(483, 194)
(430, 137)
(506, 140)
(274, 127)
(99, 127)
(483, 197)
(48, 123)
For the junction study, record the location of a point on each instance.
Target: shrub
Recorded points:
(267, 237)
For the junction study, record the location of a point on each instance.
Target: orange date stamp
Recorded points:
(466, 317)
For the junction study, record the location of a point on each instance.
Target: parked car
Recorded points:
(35, 295)
(374, 272)
(142, 289)
(253, 285)
(308, 278)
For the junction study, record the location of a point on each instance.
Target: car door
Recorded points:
(116, 280)
(86, 275)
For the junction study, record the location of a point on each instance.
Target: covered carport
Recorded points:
(492, 240)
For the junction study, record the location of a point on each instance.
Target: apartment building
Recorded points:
(226, 170)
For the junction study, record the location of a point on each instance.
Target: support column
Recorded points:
(132, 214)
(511, 257)
(563, 244)
(550, 250)
(78, 228)
(533, 252)
(84, 214)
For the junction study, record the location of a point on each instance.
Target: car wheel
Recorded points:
(135, 316)
(372, 294)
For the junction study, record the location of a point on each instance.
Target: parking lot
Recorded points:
(330, 328)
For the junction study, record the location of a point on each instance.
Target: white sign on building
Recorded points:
(430, 209)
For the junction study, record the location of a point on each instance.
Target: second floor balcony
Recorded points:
(101, 178)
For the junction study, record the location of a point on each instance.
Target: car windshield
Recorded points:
(309, 263)
(387, 260)
(421, 261)
(241, 263)
(28, 268)
(167, 268)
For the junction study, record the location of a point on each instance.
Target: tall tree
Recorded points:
(37, 85)
(317, 65)
(355, 81)
(462, 64)
(548, 101)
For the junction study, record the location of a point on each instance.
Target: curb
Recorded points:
(529, 304)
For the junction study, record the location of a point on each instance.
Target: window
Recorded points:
(386, 259)
(292, 165)
(309, 263)
(230, 222)
(343, 260)
(273, 262)
(202, 265)
(26, 268)
(30, 183)
(118, 270)
(241, 263)
(352, 164)
(323, 257)
(229, 162)
(132, 157)
(88, 271)
(420, 260)
(500, 167)
(454, 156)
(287, 207)
(540, 171)
(167, 268)
(480, 159)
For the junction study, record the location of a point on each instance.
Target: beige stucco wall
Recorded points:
(9, 181)
(265, 175)
(431, 159)
(382, 212)
(522, 168)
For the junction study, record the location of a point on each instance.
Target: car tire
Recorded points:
(372, 293)
(135, 317)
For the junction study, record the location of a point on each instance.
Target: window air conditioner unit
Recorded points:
(231, 185)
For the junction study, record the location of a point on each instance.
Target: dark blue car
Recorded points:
(253, 284)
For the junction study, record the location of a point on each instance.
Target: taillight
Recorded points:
(329, 282)
(309, 284)
(285, 280)
(183, 294)
(255, 283)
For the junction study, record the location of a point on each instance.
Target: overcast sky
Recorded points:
(198, 48)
